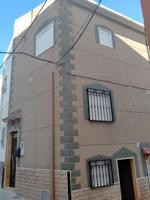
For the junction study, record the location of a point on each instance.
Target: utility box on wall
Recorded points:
(22, 148)
(44, 195)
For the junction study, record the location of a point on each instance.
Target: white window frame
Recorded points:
(50, 29)
(100, 107)
(108, 41)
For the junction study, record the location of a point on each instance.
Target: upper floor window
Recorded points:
(45, 39)
(100, 105)
(105, 37)
(101, 173)
(3, 137)
(4, 86)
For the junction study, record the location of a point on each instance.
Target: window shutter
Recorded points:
(105, 37)
(45, 39)
(97, 34)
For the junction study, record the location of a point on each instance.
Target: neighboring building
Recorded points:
(0, 104)
(6, 76)
(4, 106)
(145, 7)
(1, 162)
(88, 114)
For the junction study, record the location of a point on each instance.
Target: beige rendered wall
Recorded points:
(125, 70)
(23, 22)
(32, 93)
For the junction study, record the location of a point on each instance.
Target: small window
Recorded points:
(105, 37)
(45, 39)
(4, 86)
(101, 173)
(100, 105)
(148, 166)
(3, 137)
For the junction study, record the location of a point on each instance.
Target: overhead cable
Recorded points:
(82, 30)
(26, 54)
(25, 34)
(80, 35)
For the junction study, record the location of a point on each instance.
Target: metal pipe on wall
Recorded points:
(52, 144)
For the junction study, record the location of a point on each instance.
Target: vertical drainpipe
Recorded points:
(52, 145)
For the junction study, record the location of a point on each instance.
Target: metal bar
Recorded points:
(111, 107)
(102, 107)
(97, 175)
(3, 174)
(107, 107)
(90, 172)
(69, 186)
(109, 174)
(90, 106)
(96, 106)
(52, 151)
(99, 107)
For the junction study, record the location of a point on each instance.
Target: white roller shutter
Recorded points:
(45, 39)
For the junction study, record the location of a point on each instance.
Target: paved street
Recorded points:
(9, 195)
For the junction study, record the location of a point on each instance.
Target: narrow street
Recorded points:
(9, 195)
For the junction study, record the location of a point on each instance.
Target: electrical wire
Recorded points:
(26, 54)
(30, 25)
(86, 23)
(78, 38)
(25, 34)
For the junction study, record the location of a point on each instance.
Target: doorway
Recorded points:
(127, 179)
(13, 159)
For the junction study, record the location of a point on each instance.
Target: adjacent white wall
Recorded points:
(4, 104)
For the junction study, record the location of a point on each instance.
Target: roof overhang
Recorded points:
(146, 151)
(13, 116)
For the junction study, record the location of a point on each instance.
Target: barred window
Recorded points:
(100, 105)
(101, 173)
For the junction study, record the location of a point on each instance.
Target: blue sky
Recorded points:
(10, 10)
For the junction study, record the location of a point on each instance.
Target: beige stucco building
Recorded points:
(87, 114)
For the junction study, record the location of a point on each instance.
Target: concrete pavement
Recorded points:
(9, 195)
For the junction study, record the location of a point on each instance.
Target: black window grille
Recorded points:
(100, 105)
(101, 173)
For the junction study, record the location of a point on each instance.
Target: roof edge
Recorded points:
(111, 15)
